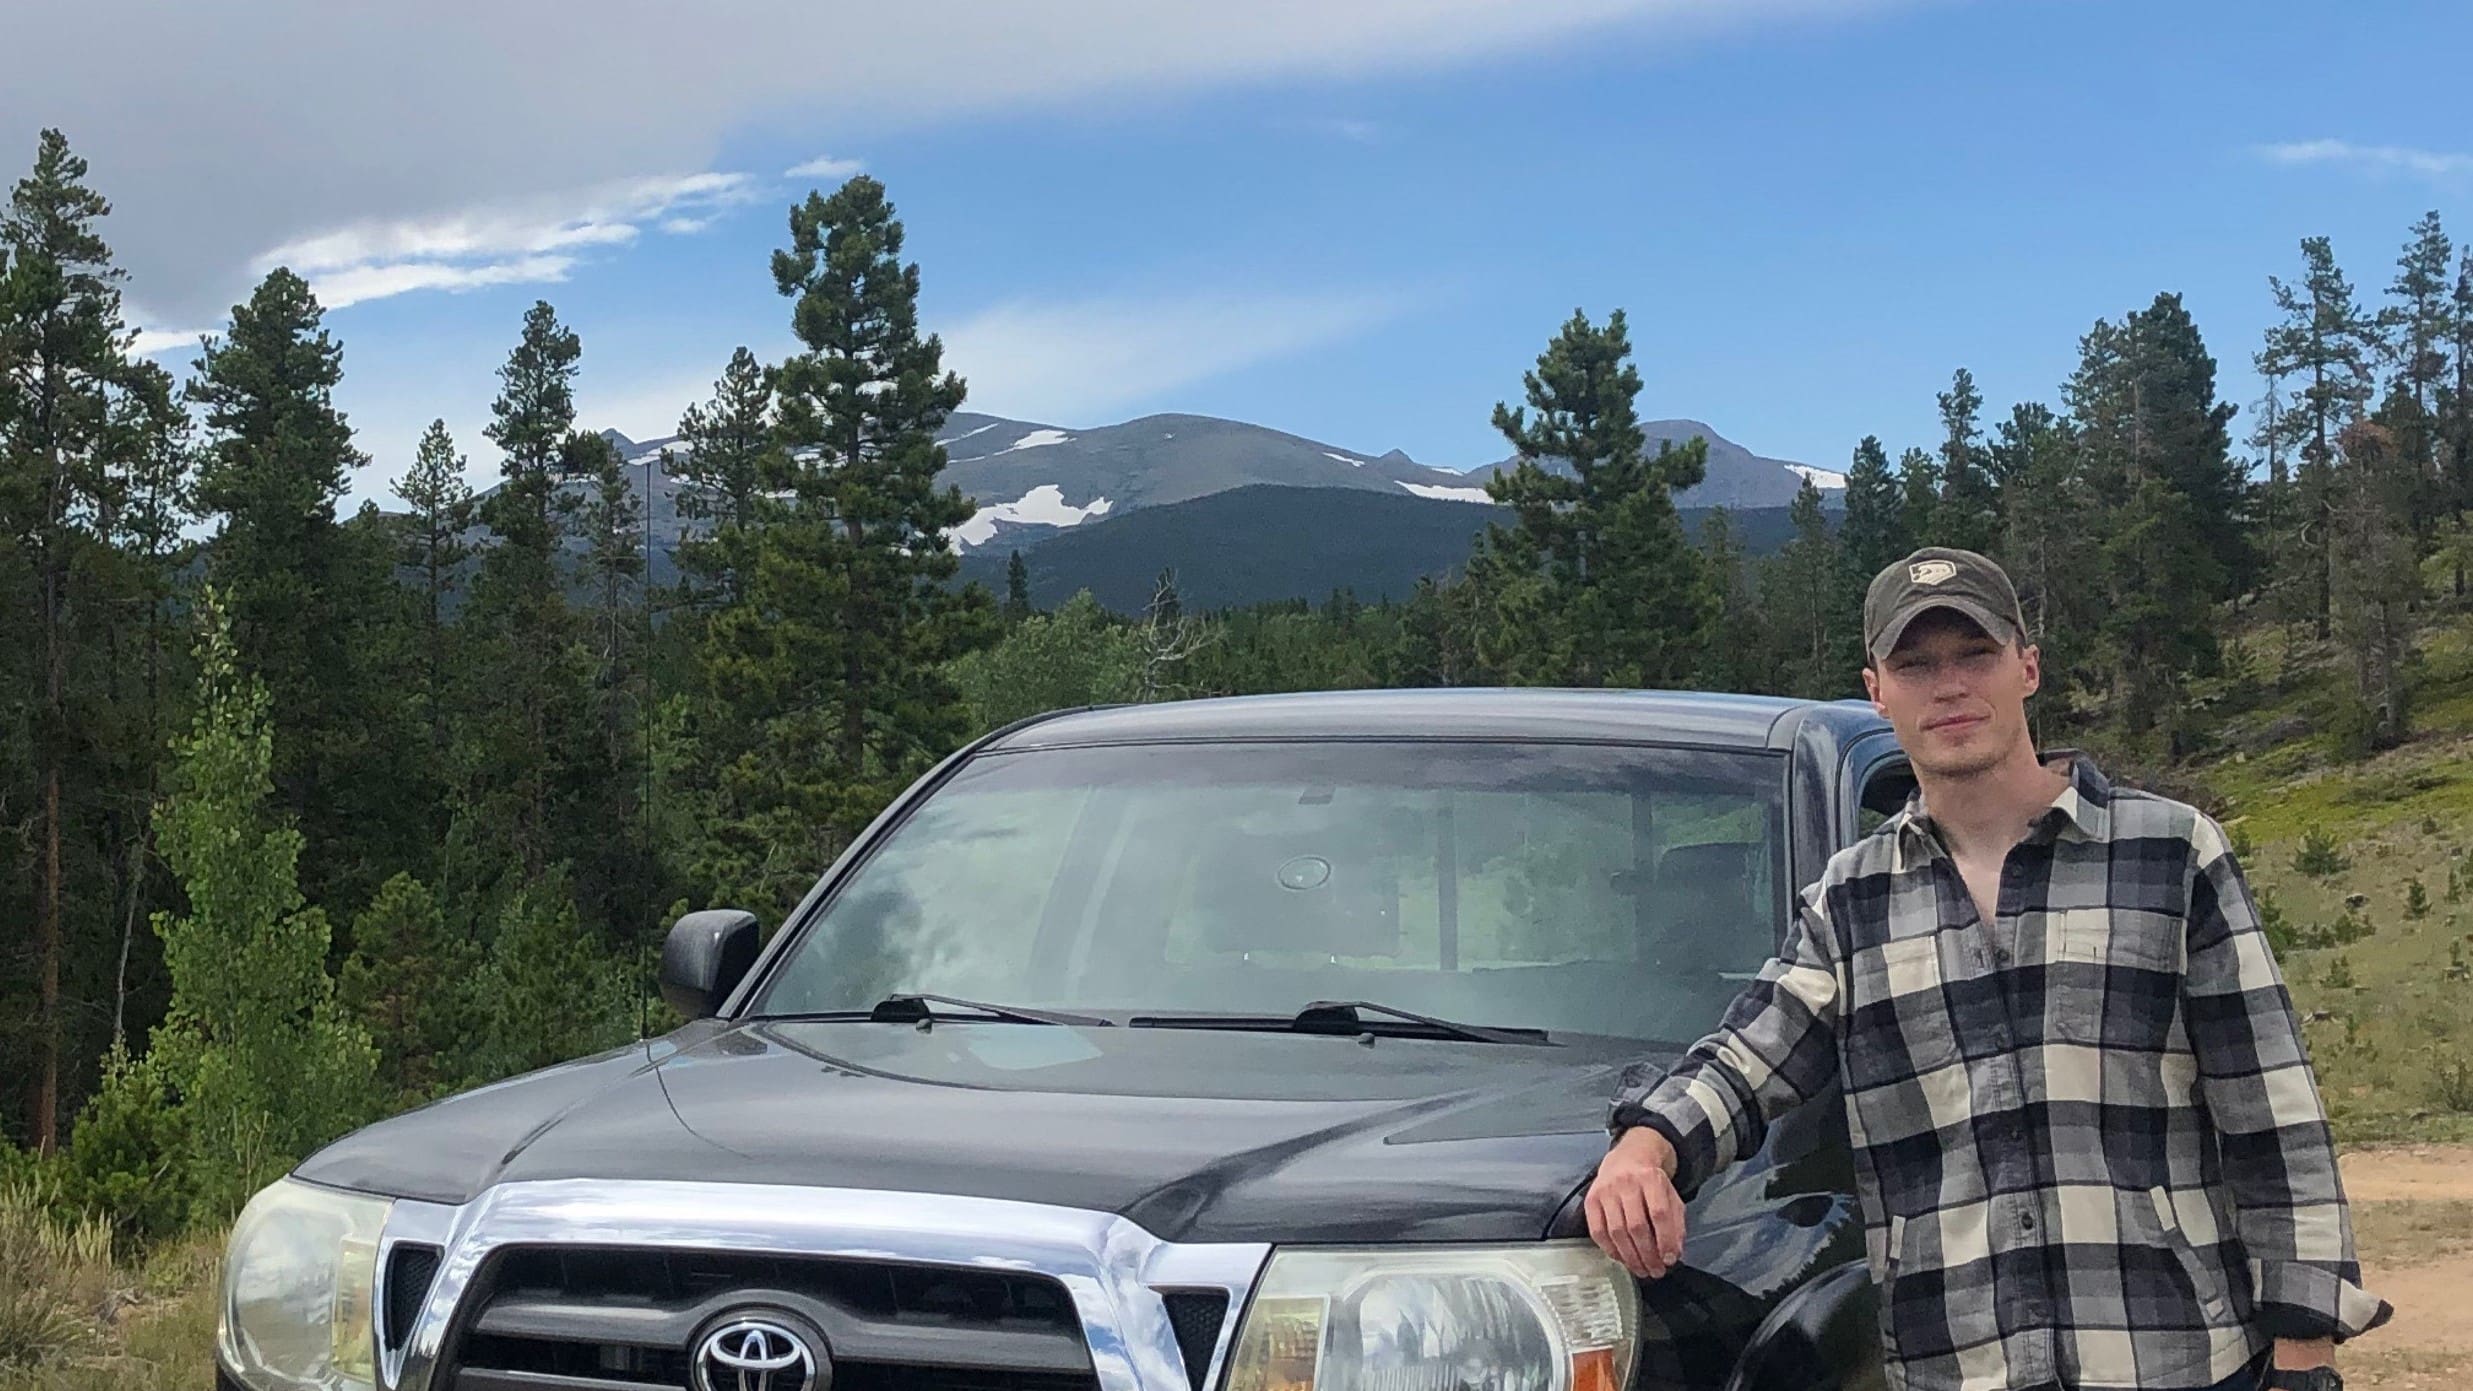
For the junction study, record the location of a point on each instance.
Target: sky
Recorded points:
(1355, 220)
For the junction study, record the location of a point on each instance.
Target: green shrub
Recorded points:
(2242, 848)
(2272, 922)
(2339, 975)
(553, 991)
(2451, 1079)
(126, 1155)
(2318, 856)
(2416, 899)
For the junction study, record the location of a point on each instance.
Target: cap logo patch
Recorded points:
(1931, 571)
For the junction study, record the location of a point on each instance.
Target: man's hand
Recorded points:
(1635, 1215)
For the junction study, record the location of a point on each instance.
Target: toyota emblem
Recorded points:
(755, 1355)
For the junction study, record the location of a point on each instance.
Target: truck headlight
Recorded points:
(298, 1278)
(1548, 1316)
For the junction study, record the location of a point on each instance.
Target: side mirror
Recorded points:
(705, 957)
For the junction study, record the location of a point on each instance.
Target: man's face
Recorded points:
(1955, 695)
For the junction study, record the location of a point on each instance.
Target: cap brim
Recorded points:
(2001, 629)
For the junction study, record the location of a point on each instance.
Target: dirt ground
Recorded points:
(2413, 1214)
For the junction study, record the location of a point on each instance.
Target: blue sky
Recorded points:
(1813, 210)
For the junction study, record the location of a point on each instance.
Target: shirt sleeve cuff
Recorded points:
(2302, 1301)
(1694, 1155)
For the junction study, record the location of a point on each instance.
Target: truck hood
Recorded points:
(1198, 1136)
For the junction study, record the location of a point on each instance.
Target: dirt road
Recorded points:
(2413, 1213)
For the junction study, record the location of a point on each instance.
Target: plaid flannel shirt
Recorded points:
(2089, 1149)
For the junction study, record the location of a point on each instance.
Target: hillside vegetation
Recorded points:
(2364, 868)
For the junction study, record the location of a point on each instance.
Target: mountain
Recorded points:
(1263, 543)
(1242, 512)
(1736, 478)
(1031, 479)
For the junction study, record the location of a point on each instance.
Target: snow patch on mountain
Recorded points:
(1352, 463)
(1044, 505)
(1821, 477)
(1449, 494)
(1037, 439)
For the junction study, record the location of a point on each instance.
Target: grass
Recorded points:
(73, 1319)
(2389, 1026)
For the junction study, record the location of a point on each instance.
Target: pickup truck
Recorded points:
(1248, 1044)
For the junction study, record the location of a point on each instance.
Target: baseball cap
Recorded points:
(1939, 577)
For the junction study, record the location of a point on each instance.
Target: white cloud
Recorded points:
(2379, 159)
(357, 284)
(220, 131)
(152, 342)
(823, 167)
(517, 242)
(1095, 358)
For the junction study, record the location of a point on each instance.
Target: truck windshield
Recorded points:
(1624, 891)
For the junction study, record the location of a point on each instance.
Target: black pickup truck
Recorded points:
(1258, 1044)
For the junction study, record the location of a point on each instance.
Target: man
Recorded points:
(2089, 1149)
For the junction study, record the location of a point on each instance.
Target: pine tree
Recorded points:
(1919, 485)
(531, 420)
(531, 724)
(2455, 420)
(2155, 454)
(2186, 431)
(63, 381)
(1745, 660)
(2418, 328)
(2376, 582)
(304, 591)
(2048, 543)
(409, 984)
(433, 548)
(2457, 409)
(833, 673)
(1968, 516)
(616, 870)
(266, 1065)
(1871, 537)
(1596, 582)
(548, 991)
(1874, 530)
(1800, 595)
(1435, 636)
(1017, 589)
(2326, 344)
(727, 460)
(144, 510)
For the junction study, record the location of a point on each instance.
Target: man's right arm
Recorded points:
(1775, 1049)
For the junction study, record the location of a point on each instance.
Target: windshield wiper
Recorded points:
(913, 1009)
(1341, 1017)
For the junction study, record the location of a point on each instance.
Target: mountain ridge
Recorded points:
(1030, 479)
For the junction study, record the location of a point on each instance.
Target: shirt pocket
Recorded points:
(2205, 1288)
(2112, 977)
(1897, 1020)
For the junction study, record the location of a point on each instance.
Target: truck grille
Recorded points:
(594, 1319)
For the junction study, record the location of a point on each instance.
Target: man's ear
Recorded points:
(2033, 658)
(1872, 689)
